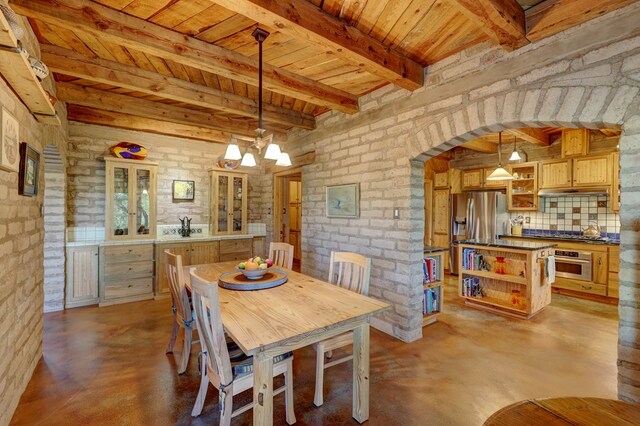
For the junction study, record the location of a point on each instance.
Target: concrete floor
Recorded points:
(107, 366)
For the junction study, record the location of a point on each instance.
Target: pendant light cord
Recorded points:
(260, 40)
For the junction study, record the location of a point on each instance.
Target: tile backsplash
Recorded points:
(572, 213)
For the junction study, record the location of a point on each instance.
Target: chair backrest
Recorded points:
(206, 307)
(281, 254)
(351, 271)
(177, 286)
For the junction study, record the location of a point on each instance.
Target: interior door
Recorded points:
(295, 216)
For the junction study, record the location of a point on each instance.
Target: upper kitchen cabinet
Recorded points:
(575, 142)
(492, 183)
(130, 199)
(522, 191)
(228, 202)
(592, 171)
(472, 179)
(555, 174)
(448, 180)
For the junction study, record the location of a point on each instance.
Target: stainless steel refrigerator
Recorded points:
(476, 216)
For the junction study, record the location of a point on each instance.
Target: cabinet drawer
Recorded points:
(128, 288)
(581, 286)
(235, 246)
(114, 272)
(235, 256)
(614, 285)
(127, 253)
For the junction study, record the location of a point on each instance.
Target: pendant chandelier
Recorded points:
(517, 155)
(500, 173)
(260, 141)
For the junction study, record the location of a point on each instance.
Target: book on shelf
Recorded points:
(430, 270)
(471, 287)
(431, 301)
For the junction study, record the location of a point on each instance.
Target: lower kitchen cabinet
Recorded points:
(126, 273)
(613, 289)
(259, 248)
(193, 253)
(239, 249)
(82, 276)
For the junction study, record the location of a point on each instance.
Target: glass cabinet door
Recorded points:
(120, 210)
(143, 202)
(236, 197)
(223, 208)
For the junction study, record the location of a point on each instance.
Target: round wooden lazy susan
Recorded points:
(237, 281)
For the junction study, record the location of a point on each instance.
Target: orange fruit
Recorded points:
(251, 266)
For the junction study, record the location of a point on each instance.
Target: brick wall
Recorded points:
(177, 159)
(21, 255)
(585, 77)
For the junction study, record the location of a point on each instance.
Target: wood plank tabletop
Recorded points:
(263, 319)
(567, 411)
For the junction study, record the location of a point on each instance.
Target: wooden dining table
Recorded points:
(301, 312)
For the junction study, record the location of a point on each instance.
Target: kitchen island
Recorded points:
(503, 276)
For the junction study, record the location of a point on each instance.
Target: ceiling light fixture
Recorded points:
(500, 173)
(515, 155)
(260, 141)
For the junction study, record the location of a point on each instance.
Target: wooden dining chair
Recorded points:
(223, 364)
(281, 254)
(351, 271)
(181, 307)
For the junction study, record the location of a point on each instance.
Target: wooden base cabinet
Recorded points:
(192, 253)
(82, 276)
(126, 273)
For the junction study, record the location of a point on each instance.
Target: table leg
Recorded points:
(360, 410)
(262, 389)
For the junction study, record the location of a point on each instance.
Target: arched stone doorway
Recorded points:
(54, 229)
(591, 107)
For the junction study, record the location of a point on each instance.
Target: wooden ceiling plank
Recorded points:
(303, 20)
(481, 145)
(177, 69)
(142, 61)
(179, 12)
(195, 76)
(131, 122)
(534, 136)
(92, 98)
(408, 21)
(71, 40)
(145, 9)
(502, 20)
(134, 33)
(211, 80)
(209, 17)
(392, 12)
(370, 14)
(120, 75)
(225, 28)
(351, 10)
(115, 4)
(553, 16)
(94, 44)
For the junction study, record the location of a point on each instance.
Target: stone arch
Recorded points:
(54, 229)
(573, 107)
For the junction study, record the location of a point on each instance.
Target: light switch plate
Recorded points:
(396, 213)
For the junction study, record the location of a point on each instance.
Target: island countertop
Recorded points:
(519, 245)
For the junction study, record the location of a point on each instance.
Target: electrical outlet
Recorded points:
(396, 213)
(527, 219)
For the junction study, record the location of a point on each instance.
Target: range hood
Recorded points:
(568, 192)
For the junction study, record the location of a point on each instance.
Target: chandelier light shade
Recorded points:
(283, 160)
(233, 152)
(248, 160)
(500, 173)
(273, 152)
(517, 155)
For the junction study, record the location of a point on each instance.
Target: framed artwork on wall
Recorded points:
(184, 190)
(29, 171)
(343, 200)
(9, 146)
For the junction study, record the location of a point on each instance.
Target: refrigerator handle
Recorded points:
(470, 219)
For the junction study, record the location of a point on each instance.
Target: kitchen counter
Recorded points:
(518, 245)
(571, 239)
(162, 240)
(434, 249)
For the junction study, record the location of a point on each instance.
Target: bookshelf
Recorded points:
(506, 279)
(432, 283)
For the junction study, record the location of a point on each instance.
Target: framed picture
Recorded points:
(29, 171)
(9, 146)
(343, 200)
(184, 190)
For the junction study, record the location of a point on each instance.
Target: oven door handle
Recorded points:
(565, 260)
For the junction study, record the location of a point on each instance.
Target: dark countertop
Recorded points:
(434, 249)
(520, 245)
(602, 241)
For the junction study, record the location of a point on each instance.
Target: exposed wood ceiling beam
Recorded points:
(93, 98)
(553, 16)
(502, 20)
(134, 33)
(143, 124)
(534, 136)
(303, 20)
(481, 145)
(297, 161)
(71, 63)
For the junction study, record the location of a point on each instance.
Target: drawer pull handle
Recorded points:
(586, 287)
(130, 269)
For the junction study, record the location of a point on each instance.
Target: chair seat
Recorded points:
(242, 364)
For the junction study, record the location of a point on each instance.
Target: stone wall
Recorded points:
(21, 254)
(584, 77)
(177, 159)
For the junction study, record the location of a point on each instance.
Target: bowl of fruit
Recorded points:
(255, 267)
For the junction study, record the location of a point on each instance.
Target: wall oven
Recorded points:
(574, 264)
